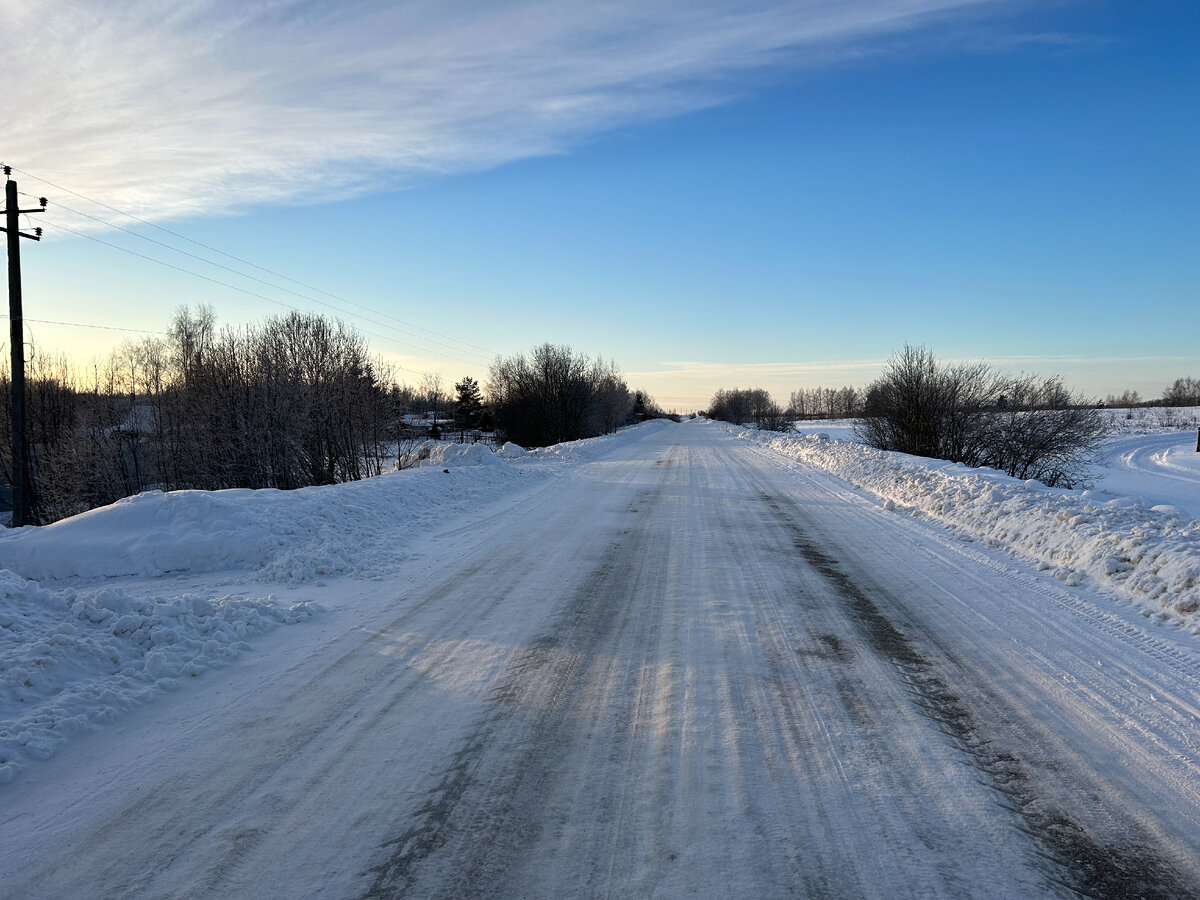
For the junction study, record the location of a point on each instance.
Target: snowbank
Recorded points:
(283, 536)
(72, 660)
(437, 453)
(77, 646)
(1151, 555)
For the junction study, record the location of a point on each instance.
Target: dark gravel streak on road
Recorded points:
(486, 809)
(1078, 862)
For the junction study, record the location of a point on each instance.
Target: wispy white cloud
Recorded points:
(1063, 359)
(751, 371)
(179, 107)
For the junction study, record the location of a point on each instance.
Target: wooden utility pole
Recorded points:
(21, 494)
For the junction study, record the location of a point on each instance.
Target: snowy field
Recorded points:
(1153, 469)
(104, 618)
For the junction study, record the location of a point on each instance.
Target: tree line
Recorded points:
(554, 394)
(295, 400)
(1181, 392)
(1025, 425)
(826, 403)
(755, 406)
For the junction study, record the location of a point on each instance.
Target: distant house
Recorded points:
(142, 418)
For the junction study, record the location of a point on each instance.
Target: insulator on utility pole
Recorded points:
(22, 495)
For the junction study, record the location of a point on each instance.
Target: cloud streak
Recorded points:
(182, 108)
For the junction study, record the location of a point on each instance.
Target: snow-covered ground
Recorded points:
(112, 608)
(207, 597)
(1154, 469)
(1136, 533)
(834, 429)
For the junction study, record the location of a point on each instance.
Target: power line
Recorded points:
(27, 320)
(234, 287)
(253, 278)
(87, 325)
(184, 237)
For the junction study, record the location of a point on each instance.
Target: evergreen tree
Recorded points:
(468, 404)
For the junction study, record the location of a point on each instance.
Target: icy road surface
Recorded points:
(694, 668)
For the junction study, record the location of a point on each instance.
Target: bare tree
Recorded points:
(739, 407)
(1183, 392)
(847, 403)
(969, 413)
(554, 394)
(431, 395)
(731, 406)
(798, 404)
(612, 401)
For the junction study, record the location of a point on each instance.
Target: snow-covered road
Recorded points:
(692, 668)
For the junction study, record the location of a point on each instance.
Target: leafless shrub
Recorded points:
(751, 405)
(970, 413)
(1043, 431)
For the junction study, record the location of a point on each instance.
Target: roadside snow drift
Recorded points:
(1152, 555)
(283, 535)
(92, 624)
(72, 659)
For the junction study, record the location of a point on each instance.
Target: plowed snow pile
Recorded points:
(1152, 555)
(72, 659)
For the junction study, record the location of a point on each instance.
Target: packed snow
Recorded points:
(111, 608)
(378, 689)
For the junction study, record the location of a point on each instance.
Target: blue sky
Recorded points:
(713, 194)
